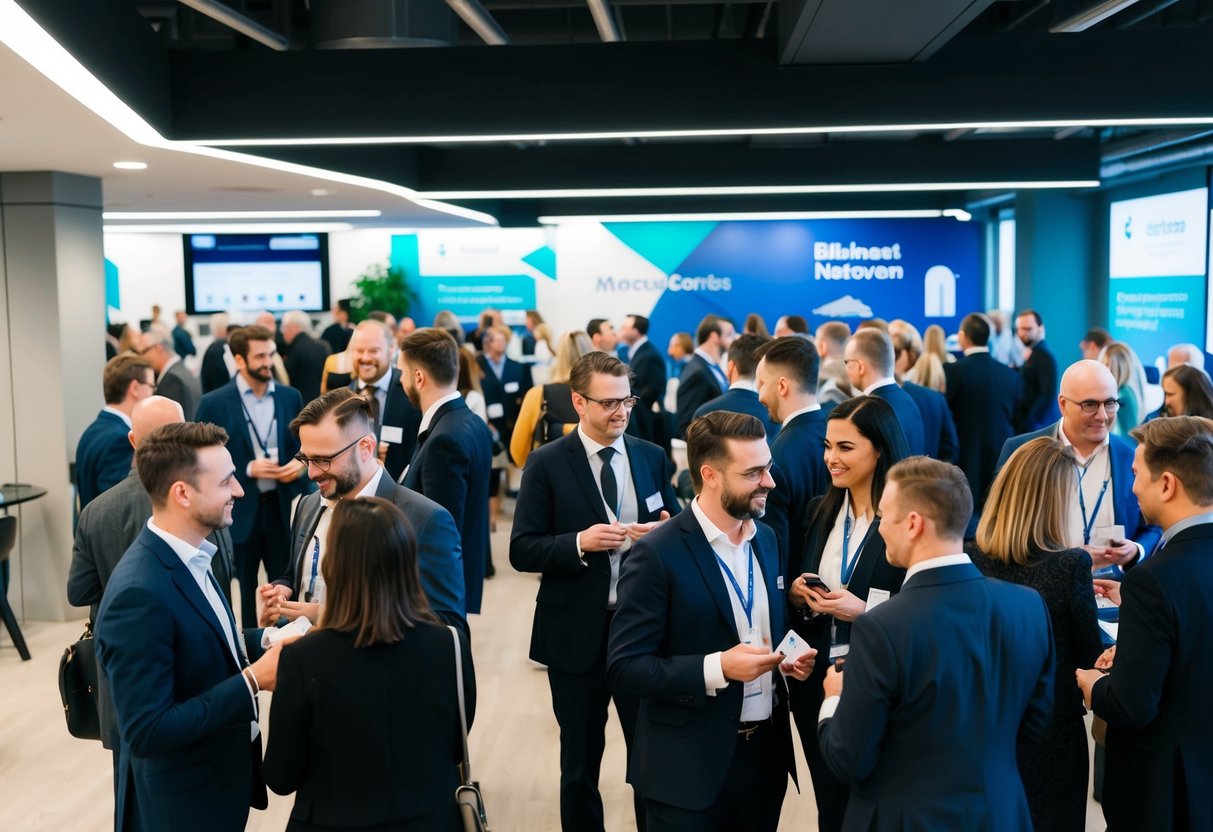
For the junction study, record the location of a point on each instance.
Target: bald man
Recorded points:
(1104, 493)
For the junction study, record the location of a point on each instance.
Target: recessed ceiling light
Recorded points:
(131, 165)
(320, 192)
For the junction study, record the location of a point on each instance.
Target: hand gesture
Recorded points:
(602, 537)
(290, 610)
(1117, 555)
(264, 469)
(843, 605)
(801, 668)
(271, 595)
(1108, 589)
(746, 662)
(639, 530)
(832, 684)
(1104, 662)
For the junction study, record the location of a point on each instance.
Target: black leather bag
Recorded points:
(468, 798)
(78, 687)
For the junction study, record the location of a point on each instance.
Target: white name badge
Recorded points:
(511, 387)
(391, 433)
(654, 502)
(496, 411)
(755, 687)
(793, 646)
(839, 651)
(876, 597)
(779, 581)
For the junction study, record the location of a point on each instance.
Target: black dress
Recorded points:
(1054, 771)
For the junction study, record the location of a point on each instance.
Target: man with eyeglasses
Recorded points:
(585, 499)
(1104, 496)
(173, 379)
(103, 454)
(337, 447)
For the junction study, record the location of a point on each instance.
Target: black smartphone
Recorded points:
(814, 582)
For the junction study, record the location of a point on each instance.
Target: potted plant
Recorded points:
(381, 287)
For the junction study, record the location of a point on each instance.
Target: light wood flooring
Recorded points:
(51, 781)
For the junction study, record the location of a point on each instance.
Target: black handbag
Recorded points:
(472, 816)
(78, 687)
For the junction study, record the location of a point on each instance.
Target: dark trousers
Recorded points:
(580, 702)
(750, 798)
(266, 543)
(830, 793)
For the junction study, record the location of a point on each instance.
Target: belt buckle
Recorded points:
(748, 732)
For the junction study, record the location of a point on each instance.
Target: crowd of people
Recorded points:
(719, 531)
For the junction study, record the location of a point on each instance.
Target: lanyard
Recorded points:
(1089, 523)
(848, 565)
(747, 603)
(264, 443)
(311, 586)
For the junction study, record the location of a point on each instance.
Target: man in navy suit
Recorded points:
(175, 663)
(787, 387)
(701, 379)
(396, 419)
(256, 412)
(1038, 407)
(1104, 496)
(649, 379)
(504, 383)
(941, 679)
(869, 361)
(1155, 699)
(742, 395)
(103, 454)
(701, 608)
(938, 428)
(585, 500)
(454, 454)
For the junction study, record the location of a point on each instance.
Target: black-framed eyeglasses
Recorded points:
(1090, 406)
(322, 463)
(612, 405)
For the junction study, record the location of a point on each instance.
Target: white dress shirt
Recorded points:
(118, 413)
(884, 382)
(428, 416)
(311, 590)
(830, 567)
(811, 408)
(1092, 472)
(261, 419)
(629, 510)
(173, 359)
(644, 339)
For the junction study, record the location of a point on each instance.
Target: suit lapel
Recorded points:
(705, 560)
(768, 562)
(1121, 485)
(584, 475)
(309, 519)
(862, 579)
(641, 478)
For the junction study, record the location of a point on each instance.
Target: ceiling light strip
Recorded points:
(230, 228)
(761, 216)
(759, 190)
(145, 216)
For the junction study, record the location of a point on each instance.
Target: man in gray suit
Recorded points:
(173, 379)
(337, 444)
(109, 525)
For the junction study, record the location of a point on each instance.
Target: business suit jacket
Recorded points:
(224, 408)
(513, 375)
(451, 466)
(182, 386)
(938, 428)
(305, 365)
(697, 384)
(438, 551)
(1126, 510)
(186, 760)
(940, 682)
(399, 412)
(909, 416)
(1160, 746)
(559, 497)
(214, 372)
(337, 336)
(369, 736)
(737, 400)
(799, 471)
(983, 396)
(1038, 407)
(103, 456)
(648, 384)
(107, 527)
(674, 610)
(183, 342)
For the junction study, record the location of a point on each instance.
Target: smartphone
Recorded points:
(814, 582)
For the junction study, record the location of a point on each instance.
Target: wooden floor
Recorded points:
(51, 781)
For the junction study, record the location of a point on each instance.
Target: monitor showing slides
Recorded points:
(255, 272)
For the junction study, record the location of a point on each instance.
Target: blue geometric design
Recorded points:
(664, 244)
(543, 260)
(113, 291)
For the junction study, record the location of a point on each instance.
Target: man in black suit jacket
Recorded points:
(504, 383)
(173, 379)
(103, 454)
(869, 360)
(183, 342)
(940, 679)
(337, 334)
(1038, 407)
(648, 372)
(939, 431)
(396, 419)
(306, 356)
(1155, 699)
(454, 454)
(334, 434)
(701, 607)
(742, 395)
(585, 499)
(218, 366)
(984, 397)
(701, 379)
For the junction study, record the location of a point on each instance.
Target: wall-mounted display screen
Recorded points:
(254, 272)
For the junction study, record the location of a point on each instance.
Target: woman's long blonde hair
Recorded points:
(928, 369)
(572, 346)
(1027, 510)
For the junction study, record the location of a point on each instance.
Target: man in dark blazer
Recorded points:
(585, 499)
(396, 419)
(1038, 407)
(941, 679)
(337, 334)
(983, 396)
(742, 395)
(306, 356)
(183, 342)
(103, 454)
(171, 654)
(173, 379)
(869, 362)
(454, 454)
(649, 380)
(1155, 699)
(218, 366)
(938, 428)
(334, 434)
(1105, 463)
(255, 412)
(504, 383)
(701, 609)
(701, 379)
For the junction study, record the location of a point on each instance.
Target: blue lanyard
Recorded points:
(747, 604)
(311, 586)
(849, 564)
(269, 434)
(1089, 523)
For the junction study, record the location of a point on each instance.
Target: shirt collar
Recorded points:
(742, 384)
(699, 351)
(811, 408)
(118, 413)
(182, 549)
(1065, 441)
(173, 359)
(381, 384)
(245, 389)
(748, 528)
(592, 447)
(1185, 524)
(428, 416)
(368, 490)
(935, 563)
(975, 350)
(644, 339)
(884, 382)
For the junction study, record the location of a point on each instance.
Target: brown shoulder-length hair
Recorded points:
(1027, 508)
(373, 588)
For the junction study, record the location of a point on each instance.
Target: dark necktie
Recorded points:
(610, 488)
(368, 393)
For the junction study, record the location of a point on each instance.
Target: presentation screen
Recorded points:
(1157, 268)
(254, 272)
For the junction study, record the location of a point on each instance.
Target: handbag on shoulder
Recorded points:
(78, 687)
(468, 798)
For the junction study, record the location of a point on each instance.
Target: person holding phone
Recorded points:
(844, 572)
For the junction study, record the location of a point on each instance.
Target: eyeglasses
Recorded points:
(756, 474)
(322, 463)
(1090, 407)
(612, 405)
(151, 384)
(146, 350)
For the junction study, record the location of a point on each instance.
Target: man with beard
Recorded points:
(396, 420)
(585, 499)
(701, 609)
(454, 453)
(337, 447)
(1038, 407)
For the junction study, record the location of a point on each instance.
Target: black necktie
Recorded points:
(610, 488)
(368, 393)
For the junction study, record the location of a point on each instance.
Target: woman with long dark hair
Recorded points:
(1187, 392)
(844, 552)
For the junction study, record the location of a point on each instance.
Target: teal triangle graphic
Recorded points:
(113, 291)
(543, 260)
(664, 244)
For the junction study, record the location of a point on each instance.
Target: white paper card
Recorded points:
(653, 502)
(839, 651)
(511, 387)
(1107, 535)
(496, 411)
(1112, 629)
(272, 635)
(876, 597)
(391, 433)
(793, 646)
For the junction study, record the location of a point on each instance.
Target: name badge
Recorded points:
(391, 433)
(496, 411)
(876, 597)
(511, 387)
(839, 651)
(654, 502)
(779, 581)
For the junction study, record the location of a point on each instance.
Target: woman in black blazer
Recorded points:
(844, 549)
(1021, 538)
(364, 723)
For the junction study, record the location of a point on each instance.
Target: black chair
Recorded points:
(8, 540)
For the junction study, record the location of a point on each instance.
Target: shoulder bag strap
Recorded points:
(466, 769)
